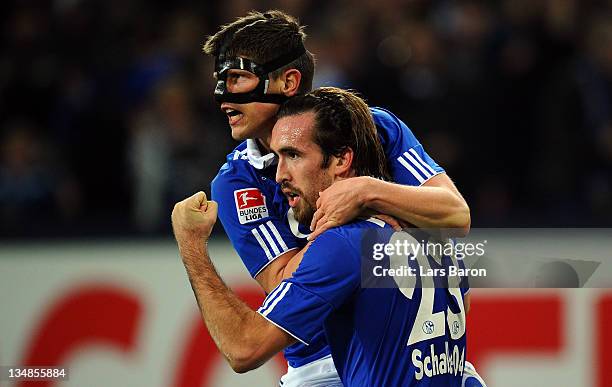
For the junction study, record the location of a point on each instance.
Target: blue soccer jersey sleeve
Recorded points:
(409, 162)
(300, 305)
(258, 233)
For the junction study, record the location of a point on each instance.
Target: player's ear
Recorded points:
(291, 82)
(343, 163)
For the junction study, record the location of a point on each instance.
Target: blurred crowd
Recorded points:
(107, 116)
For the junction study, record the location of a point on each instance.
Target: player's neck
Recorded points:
(264, 144)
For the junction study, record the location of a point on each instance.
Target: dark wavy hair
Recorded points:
(263, 37)
(342, 120)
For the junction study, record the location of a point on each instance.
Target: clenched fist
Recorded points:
(193, 218)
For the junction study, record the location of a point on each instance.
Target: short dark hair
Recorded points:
(342, 120)
(263, 37)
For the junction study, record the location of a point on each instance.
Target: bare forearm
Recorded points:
(244, 337)
(225, 316)
(424, 206)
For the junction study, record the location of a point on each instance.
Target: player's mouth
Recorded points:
(292, 197)
(233, 116)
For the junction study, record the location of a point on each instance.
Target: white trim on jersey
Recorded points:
(240, 154)
(261, 243)
(415, 164)
(286, 330)
(318, 373)
(269, 239)
(272, 294)
(470, 372)
(411, 169)
(255, 158)
(422, 162)
(277, 235)
(276, 297)
(275, 240)
(429, 178)
(270, 303)
(378, 222)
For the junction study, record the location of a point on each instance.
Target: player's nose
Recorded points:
(281, 171)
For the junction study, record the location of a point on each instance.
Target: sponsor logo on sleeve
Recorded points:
(250, 205)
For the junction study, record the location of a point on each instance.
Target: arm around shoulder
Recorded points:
(435, 204)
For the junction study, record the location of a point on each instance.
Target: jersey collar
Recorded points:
(255, 158)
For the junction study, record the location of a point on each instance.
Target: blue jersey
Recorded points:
(254, 211)
(377, 336)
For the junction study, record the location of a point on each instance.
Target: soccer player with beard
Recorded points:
(260, 62)
(376, 336)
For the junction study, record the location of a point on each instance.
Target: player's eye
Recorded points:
(292, 155)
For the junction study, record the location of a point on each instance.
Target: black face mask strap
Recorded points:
(283, 60)
(262, 71)
(242, 98)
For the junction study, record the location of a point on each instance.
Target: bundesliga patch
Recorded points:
(250, 205)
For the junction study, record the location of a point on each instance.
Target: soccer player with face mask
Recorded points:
(377, 336)
(260, 62)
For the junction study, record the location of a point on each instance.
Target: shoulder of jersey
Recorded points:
(236, 160)
(381, 115)
(239, 154)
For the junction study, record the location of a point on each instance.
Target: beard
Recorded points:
(304, 211)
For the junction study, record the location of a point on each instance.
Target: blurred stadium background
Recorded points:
(107, 119)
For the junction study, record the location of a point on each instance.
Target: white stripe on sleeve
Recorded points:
(417, 164)
(264, 230)
(277, 235)
(418, 157)
(277, 300)
(411, 169)
(261, 243)
(272, 294)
